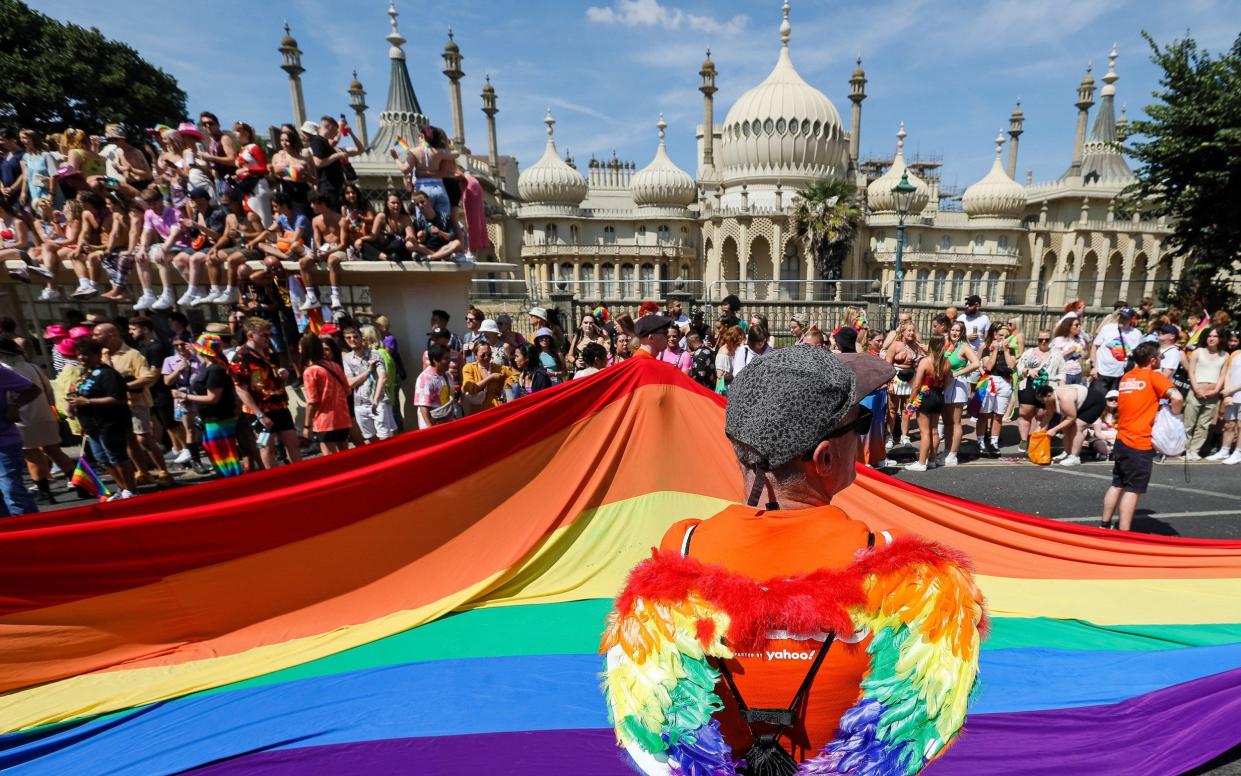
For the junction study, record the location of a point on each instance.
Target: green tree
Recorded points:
(55, 75)
(1189, 152)
(825, 221)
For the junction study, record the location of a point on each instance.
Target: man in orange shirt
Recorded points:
(1142, 389)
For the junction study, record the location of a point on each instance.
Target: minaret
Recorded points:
(708, 111)
(402, 116)
(292, 65)
(1085, 99)
(1016, 125)
(452, 69)
(357, 100)
(857, 93)
(1122, 124)
(489, 108)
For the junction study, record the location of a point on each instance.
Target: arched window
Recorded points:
(945, 243)
(920, 285)
(664, 234)
(641, 235)
(993, 288)
(609, 234)
(647, 277)
(1003, 242)
(626, 281)
(565, 275)
(588, 288)
(573, 233)
(975, 282)
(940, 285)
(607, 276)
(551, 233)
(979, 242)
(958, 281)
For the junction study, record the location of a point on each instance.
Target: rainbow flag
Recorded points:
(434, 604)
(1196, 334)
(401, 146)
(85, 479)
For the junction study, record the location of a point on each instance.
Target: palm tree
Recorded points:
(825, 220)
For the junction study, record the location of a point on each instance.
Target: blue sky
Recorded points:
(607, 68)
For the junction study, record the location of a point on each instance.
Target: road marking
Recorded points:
(1156, 516)
(1178, 488)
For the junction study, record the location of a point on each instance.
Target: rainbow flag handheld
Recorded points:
(84, 477)
(355, 614)
(401, 145)
(1196, 334)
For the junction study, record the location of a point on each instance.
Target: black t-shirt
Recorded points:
(155, 350)
(206, 378)
(103, 382)
(333, 175)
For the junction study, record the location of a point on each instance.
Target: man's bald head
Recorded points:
(108, 335)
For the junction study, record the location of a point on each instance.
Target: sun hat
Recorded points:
(309, 127)
(538, 312)
(67, 348)
(80, 331)
(188, 129)
(489, 326)
(209, 345)
(543, 332)
(54, 331)
(784, 403)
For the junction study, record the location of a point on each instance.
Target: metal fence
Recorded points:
(627, 289)
(796, 290)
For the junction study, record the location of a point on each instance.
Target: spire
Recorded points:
(662, 125)
(551, 122)
(1016, 126)
(901, 134)
(395, 37)
(1101, 159)
(857, 93)
(999, 145)
(786, 29)
(1085, 99)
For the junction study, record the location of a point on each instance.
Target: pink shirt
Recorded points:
(326, 388)
(681, 359)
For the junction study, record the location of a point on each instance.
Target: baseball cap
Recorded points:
(1112, 394)
(649, 324)
(199, 193)
(1168, 328)
(439, 331)
(783, 404)
(489, 326)
(1126, 312)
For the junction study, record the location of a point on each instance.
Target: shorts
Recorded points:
(1105, 383)
(375, 425)
(140, 419)
(1132, 470)
(1092, 408)
(108, 446)
(336, 435)
(958, 392)
(1232, 412)
(997, 400)
(899, 387)
(282, 420)
(1026, 397)
(164, 409)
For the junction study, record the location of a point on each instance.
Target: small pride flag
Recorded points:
(1196, 334)
(401, 145)
(84, 477)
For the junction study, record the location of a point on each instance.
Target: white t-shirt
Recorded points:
(584, 372)
(976, 329)
(1170, 359)
(1114, 348)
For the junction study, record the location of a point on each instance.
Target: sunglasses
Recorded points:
(859, 425)
(1044, 339)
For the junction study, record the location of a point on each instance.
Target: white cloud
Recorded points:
(650, 13)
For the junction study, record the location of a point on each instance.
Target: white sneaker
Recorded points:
(905, 441)
(915, 467)
(145, 301)
(164, 302)
(335, 303)
(311, 303)
(1060, 456)
(886, 463)
(49, 295)
(889, 443)
(39, 269)
(209, 298)
(189, 297)
(228, 296)
(1220, 454)
(950, 459)
(1071, 460)
(183, 457)
(1192, 457)
(1234, 458)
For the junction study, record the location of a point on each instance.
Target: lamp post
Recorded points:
(904, 195)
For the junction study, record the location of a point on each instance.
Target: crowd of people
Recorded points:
(195, 204)
(151, 397)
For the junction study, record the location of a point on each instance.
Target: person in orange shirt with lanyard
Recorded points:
(737, 614)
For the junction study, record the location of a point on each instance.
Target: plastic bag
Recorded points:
(1038, 449)
(1168, 433)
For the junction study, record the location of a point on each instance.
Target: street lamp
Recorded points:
(903, 193)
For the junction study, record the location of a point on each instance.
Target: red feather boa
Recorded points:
(807, 603)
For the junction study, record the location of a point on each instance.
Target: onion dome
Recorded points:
(996, 195)
(451, 46)
(783, 127)
(662, 183)
(879, 196)
(355, 85)
(550, 181)
(288, 41)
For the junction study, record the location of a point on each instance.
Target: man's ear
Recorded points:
(821, 458)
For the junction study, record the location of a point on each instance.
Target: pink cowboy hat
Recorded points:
(55, 331)
(188, 129)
